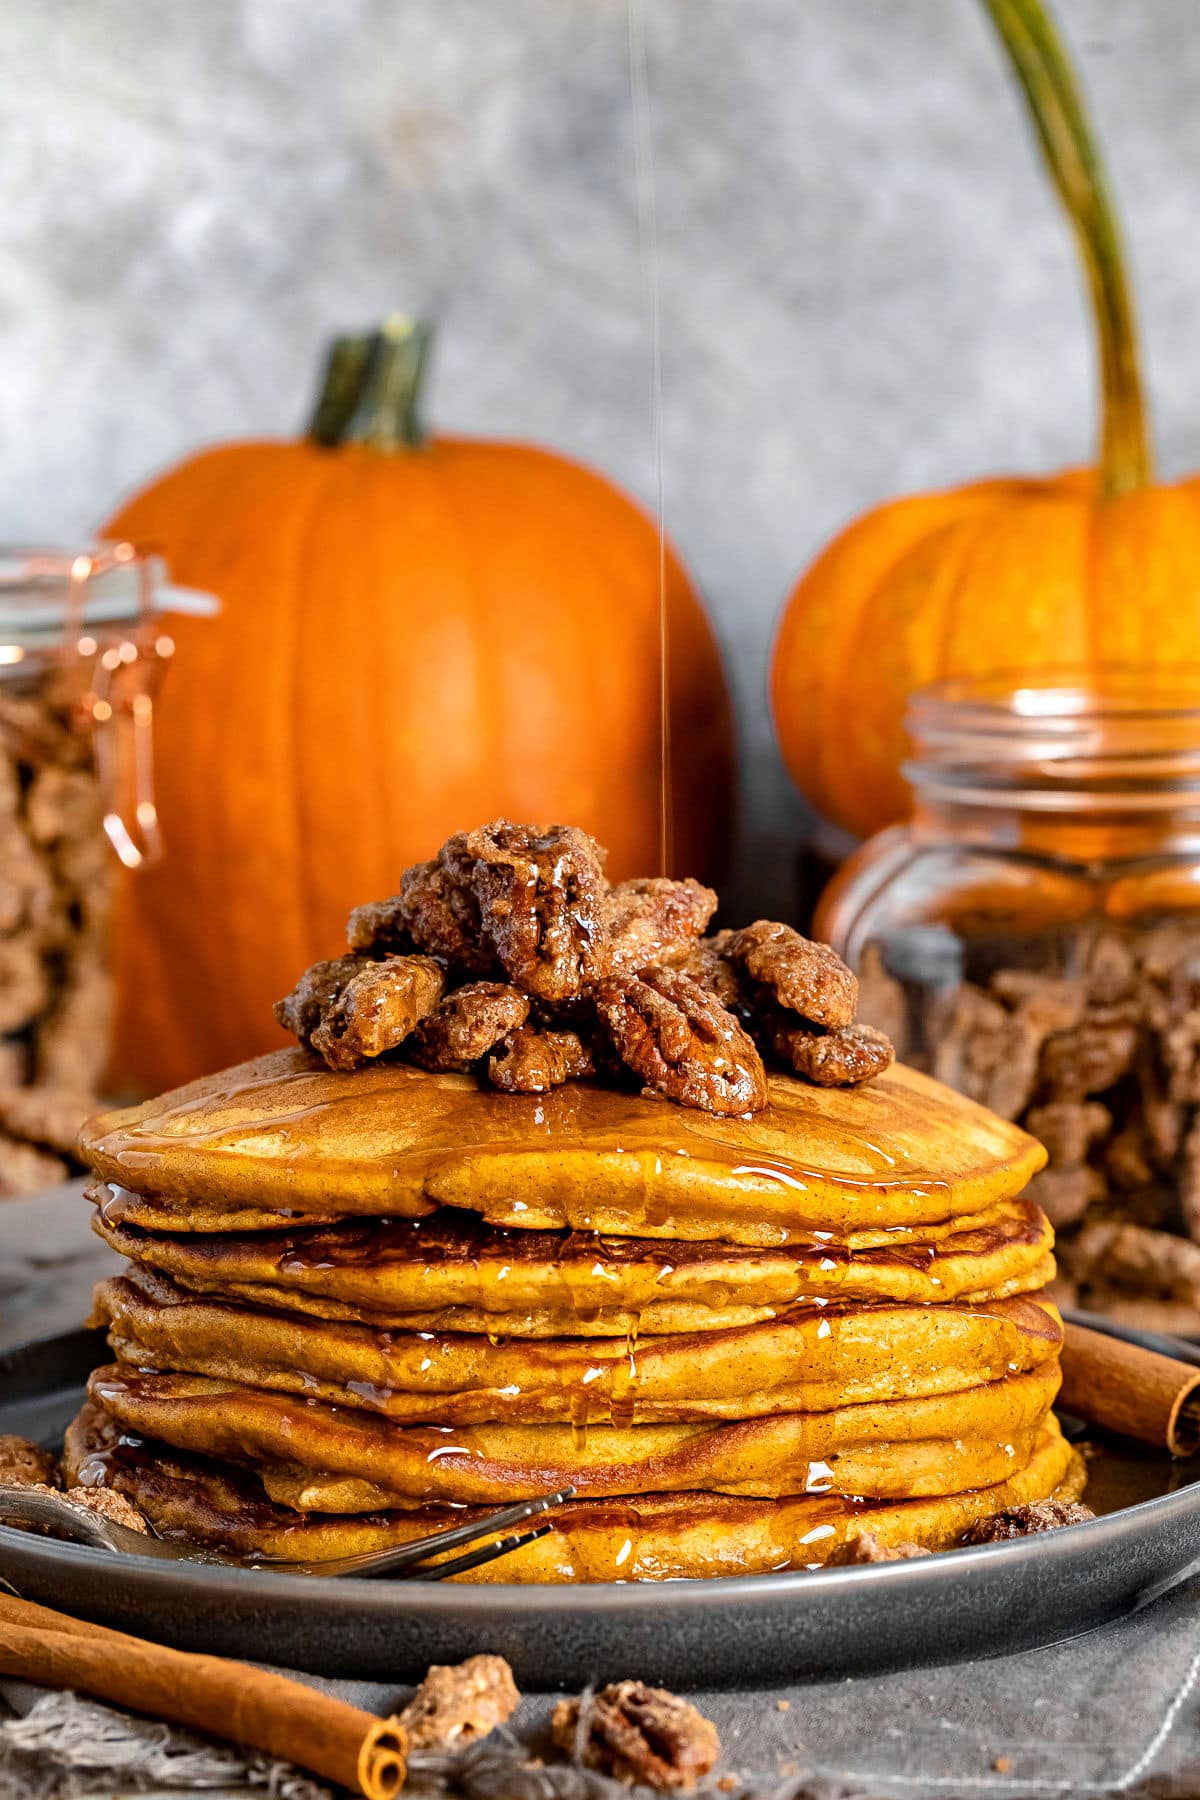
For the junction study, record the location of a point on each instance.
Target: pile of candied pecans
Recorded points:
(55, 895)
(509, 953)
(1098, 1057)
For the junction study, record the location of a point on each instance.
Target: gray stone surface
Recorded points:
(865, 286)
(49, 1263)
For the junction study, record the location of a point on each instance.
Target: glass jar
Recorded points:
(1032, 937)
(82, 652)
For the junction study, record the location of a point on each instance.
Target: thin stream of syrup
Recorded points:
(647, 231)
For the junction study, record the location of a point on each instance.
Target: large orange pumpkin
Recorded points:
(1084, 567)
(416, 636)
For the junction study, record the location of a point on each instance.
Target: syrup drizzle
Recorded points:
(647, 232)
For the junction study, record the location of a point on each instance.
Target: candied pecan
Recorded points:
(802, 976)
(654, 922)
(63, 803)
(707, 964)
(301, 1011)
(844, 1058)
(682, 1042)
(637, 1734)
(72, 1038)
(1127, 1160)
(377, 1009)
(439, 909)
(531, 1061)
(867, 1548)
(25, 1464)
(380, 925)
(1189, 1182)
(1086, 1059)
(1137, 1258)
(985, 1051)
(24, 1170)
(1064, 1195)
(1026, 1521)
(543, 904)
(110, 1505)
(1047, 1002)
(882, 1001)
(467, 1024)
(1068, 1129)
(1111, 970)
(459, 1704)
(24, 988)
(50, 1116)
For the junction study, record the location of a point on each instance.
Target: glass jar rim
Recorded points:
(1101, 738)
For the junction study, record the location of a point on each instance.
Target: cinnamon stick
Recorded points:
(206, 1693)
(1133, 1391)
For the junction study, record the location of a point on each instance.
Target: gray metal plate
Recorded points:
(744, 1631)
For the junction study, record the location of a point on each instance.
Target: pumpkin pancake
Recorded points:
(283, 1131)
(337, 1459)
(452, 1272)
(653, 1537)
(805, 1360)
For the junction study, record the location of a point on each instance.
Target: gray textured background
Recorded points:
(865, 285)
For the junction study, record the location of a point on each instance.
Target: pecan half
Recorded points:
(532, 1060)
(844, 1058)
(467, 1024)
(681, 1041)
(637, 1734)
(542, 900)
(654, 922)
(802, 976)
(438, 909)
(301, 1011)
(377, 1009)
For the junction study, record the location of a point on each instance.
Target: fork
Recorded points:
(79, 1525)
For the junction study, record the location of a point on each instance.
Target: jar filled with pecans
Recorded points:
(82, 652)
(1032, 937)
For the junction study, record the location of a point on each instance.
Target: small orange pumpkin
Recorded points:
(416, 635)
(1084, 567)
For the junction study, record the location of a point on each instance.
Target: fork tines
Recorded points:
(420, 1551)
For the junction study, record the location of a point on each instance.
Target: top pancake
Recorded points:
(283, 1133)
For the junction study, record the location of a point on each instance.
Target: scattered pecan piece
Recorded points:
(110, 1505)
(655, 922)
(26, 1464)
(301, 1011)
(532, 1061)
(844, 1058)
(682, 1042)
(802, 976)
(543, 901)
(867, 1548)
(1026, 1521)
(467, 1024)
(377, 1009)
(459, 1704)
(637, 1734)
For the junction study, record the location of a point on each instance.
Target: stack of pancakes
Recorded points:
(361, 1306)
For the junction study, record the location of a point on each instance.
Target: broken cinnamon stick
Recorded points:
(1130, 1390)
(226, 1699)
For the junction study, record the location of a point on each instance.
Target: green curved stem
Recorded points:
(1059, 117)
(371, 388)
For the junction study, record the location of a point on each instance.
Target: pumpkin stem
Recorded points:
(1059, 117)
(371, 388)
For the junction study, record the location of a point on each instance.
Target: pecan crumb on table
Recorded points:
(457, 1704)
(637, 1734)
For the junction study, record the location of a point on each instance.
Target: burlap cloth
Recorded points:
(1116, 1712)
